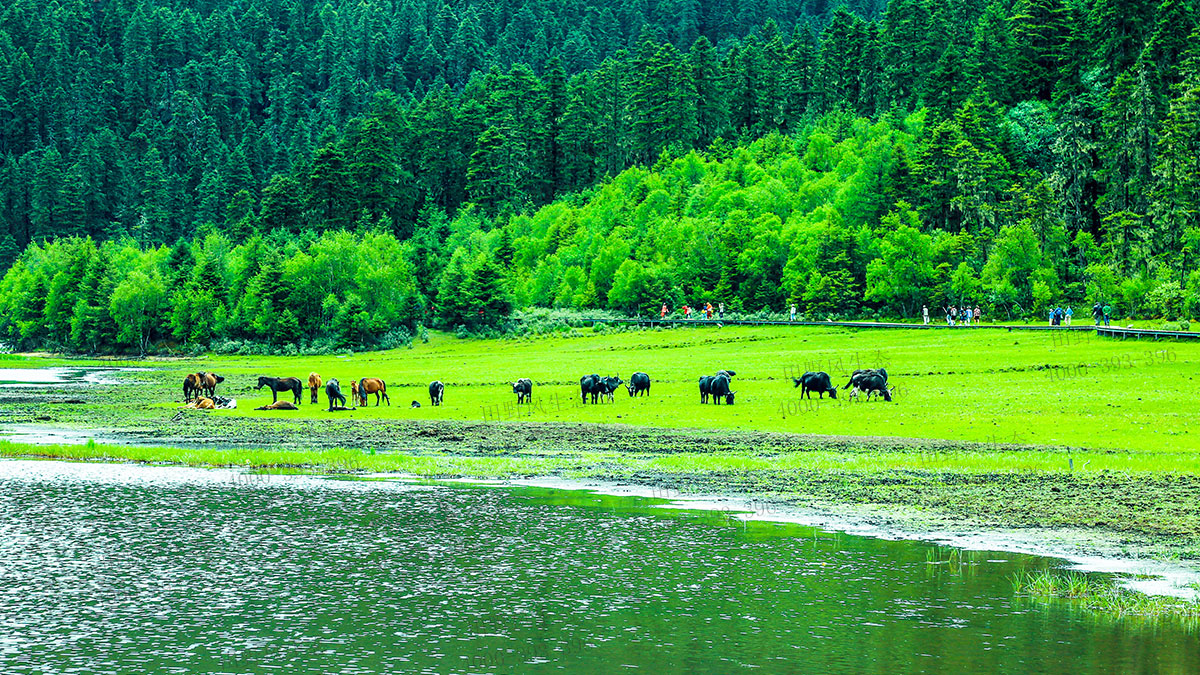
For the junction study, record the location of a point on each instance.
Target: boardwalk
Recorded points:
(1101, 331)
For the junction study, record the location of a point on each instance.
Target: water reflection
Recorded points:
(110, 568)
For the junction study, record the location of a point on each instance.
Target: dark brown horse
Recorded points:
(372, 385)
(278, 384)
(314, 385)
(191, 386)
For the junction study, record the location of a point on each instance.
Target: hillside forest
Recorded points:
(287, 173)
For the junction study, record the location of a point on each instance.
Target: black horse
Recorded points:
(278, 384)
(333, 391)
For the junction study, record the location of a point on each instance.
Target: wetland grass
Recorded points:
(1102, 595)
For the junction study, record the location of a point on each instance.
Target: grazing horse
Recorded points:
(191, 387)
(436, 390)
(372, 385)
(333, 391)
(278, 384)
(314, 385)
(209, 382)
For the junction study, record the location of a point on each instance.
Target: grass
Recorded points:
(1102, 595)
(996, 387)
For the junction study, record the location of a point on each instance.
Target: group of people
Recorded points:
(955, 315)
(1061, 317)
(705, 311)
(1100, 313)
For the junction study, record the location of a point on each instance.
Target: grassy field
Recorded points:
(988, 427)
(986, 386)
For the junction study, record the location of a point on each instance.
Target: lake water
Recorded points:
(135, 569)
(39, 377)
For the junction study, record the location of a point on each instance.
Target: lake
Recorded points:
(109, 568)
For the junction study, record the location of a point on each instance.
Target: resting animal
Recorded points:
(279, 405)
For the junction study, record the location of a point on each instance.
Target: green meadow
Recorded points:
(975, 385)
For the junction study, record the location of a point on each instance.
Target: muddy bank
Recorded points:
(1145, 515)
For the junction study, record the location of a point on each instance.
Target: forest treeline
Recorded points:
(849, 160)
(150, 118)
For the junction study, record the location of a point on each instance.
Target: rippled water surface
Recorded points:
(125, 569)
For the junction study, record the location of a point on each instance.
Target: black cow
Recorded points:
(818, 382)
(523, 388)
(705, 388)
(863, 372)
(720, 390)
(436, 389)
(333, 392)
(871, 384)
(591, 385)
(609, 385)
(639, 383)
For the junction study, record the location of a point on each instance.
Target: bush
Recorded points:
(396, 338)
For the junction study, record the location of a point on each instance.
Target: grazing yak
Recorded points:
(870, 382)
(719, 388)
(818, 382)
(590, 385)
(609, 385)
(639, 383)
(705, 387)
(436, 389)
(523, 388)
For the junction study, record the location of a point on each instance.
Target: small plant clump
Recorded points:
(1101, 595)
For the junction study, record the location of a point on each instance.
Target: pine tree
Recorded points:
(1176, 193)
(47, 196)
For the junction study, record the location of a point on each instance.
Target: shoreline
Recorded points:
(1177, 579)
(862, 504)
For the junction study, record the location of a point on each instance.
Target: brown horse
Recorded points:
(209, 382)
(279, 405)
(314, 385)
(191, 387)
(371, 385)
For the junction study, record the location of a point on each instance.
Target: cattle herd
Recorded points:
(593, 389)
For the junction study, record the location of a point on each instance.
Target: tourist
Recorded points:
(966, 315)
(1107, 313)
(925, 313)
(663, 314)
(977, 315)
(953, 314)
(792, 315)
(721, 311)
(708, 311)
(1070, 313)
(1097, 312)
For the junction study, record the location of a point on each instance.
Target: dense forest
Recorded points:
(290, 173)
